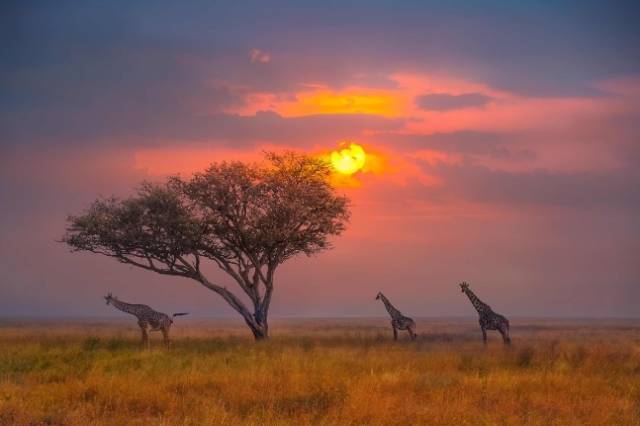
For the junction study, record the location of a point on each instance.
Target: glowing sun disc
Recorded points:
(348, 160)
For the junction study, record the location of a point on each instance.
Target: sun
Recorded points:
(349, 159)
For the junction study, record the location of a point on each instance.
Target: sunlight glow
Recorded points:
(348, 160)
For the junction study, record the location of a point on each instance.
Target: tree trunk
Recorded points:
(257, 321)
(260, 329)
(260, 325)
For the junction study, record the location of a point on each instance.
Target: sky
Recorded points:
(502, 142)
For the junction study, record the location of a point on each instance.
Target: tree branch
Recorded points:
(229, 297)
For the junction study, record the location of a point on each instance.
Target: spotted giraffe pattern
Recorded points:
(398, 321)
(148, 319)
(489, 320)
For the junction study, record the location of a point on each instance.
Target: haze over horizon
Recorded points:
(503, 143)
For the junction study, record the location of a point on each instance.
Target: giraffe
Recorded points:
(398, 321)
(489, 320)
(148, 319)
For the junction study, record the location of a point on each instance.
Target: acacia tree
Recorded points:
(245, 218)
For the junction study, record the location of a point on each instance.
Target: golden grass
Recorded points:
(345, 372)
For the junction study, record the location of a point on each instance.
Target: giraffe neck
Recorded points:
(480, 306)
(390, 308)
(123, 306)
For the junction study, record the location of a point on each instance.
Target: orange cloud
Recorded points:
(352, 101)
(505, 112)
(321, 100)
(538, 121)
(394, 102)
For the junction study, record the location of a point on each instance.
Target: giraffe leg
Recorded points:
(412, 333)
(504, 330)
(395, 333)
(144, 328)
(484, 335)
(165, 337)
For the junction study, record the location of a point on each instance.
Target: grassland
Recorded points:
(320, 372)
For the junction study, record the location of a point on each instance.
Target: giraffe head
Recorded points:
(109, 297)
(464, 286)
(378, 296)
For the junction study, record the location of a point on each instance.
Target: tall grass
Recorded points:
(320, 372)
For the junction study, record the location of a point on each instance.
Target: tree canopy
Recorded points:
(247, 218)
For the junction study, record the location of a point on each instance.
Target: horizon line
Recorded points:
(292, 317)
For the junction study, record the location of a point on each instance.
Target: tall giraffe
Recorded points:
(398, 321)
(148, 319)
(489, 320)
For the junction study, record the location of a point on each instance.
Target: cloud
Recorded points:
(464, 143)
(447, 102)
(185, 130)
(304, 131)
(577, 190)
(150, 112)
(551, 50)
(257, 55)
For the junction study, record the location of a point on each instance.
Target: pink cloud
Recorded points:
(259, 56)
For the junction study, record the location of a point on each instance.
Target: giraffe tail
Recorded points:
(178, 314)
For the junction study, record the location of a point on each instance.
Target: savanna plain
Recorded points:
(320, 371)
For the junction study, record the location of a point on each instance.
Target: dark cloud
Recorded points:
(447, 102)
(553, 49)
(468, 143)
(142, 128)
(577, 190)
(68, 79)
(302, 131)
